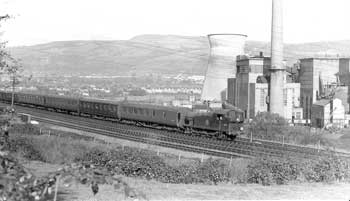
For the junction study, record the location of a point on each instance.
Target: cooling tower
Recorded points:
(222, 64)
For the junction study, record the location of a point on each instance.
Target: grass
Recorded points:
(65, 149)
(53, 149)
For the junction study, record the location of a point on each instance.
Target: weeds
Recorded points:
(146, 164)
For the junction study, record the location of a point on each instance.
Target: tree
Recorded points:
(9, 65)
(3, 53)
(14, 70)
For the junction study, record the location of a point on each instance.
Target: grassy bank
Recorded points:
(147, 164)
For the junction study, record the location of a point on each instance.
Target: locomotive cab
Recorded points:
(235, 122)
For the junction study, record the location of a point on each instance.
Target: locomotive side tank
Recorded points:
(220, 123)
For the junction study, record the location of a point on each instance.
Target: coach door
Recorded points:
(178, 119)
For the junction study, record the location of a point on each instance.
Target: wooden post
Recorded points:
(158, 152)
(202, 158)
(230, 161)
(319, 146)
(123, 147)
(283, 140)
(251, 136)
(49, 132)
(179, 156)
(40, 131)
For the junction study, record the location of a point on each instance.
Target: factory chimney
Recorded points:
(222, 64)
(277, 69)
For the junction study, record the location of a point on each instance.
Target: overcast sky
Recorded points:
(40, 21)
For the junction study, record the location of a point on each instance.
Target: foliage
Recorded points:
(281, 171)
(17, 183)
(134, 163)
(146, 164)
(274, 127)
(267, 124)
(52, 149)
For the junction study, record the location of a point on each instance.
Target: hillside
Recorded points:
(142, 54)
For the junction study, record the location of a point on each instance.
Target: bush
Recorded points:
(281, 171)
(146, 164)
(274, 127)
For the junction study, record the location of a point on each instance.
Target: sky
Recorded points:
(41, 21)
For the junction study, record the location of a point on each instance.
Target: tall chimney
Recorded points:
(222, 64)
(277, 69)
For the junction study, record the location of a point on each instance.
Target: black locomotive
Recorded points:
(220, 123)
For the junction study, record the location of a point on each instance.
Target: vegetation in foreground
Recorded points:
(93, 163)
(147, 164)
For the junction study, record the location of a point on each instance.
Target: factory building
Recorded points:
(314, 71)
(321, 78)
(344, 78)
(249, 90)
(328, 112)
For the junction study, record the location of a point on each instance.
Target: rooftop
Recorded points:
(324, 58)
(322, 102)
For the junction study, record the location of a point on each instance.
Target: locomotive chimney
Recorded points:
(222, 64)
(277, 69)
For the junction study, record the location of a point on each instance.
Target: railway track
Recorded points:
(241, 147)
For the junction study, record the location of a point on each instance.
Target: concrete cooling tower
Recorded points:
(222, 64)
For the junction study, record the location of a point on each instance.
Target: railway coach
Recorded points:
(30, 99)
(62, 103)
(156, 115)
(7, 96)
(99, 108)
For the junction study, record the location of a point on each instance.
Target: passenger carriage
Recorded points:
(97, 107)
(152, 114)
(62, 103)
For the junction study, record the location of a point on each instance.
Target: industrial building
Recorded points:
(328, 112)
(314, 71)
(259, 84)
(323, 78)
(249, 90)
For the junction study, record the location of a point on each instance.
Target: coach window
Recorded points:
(135, 111)
(164, 115)
(154, 113)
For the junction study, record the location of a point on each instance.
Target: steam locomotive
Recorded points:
(220, 123)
